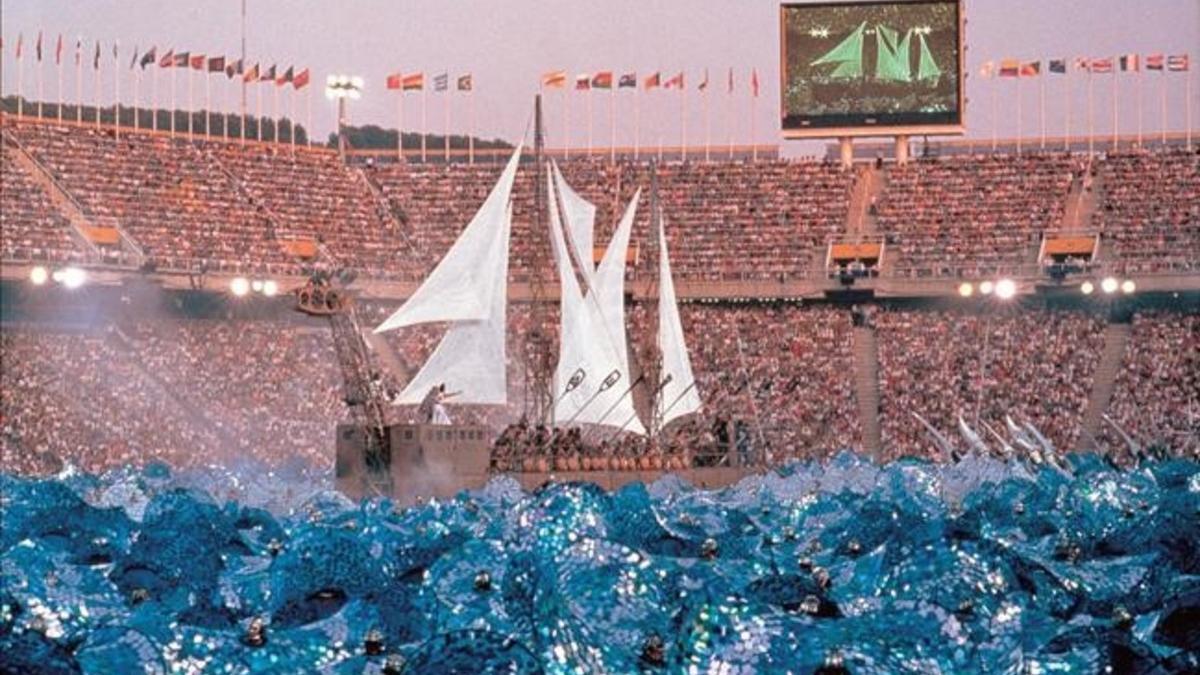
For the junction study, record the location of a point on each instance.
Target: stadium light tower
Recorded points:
(339, 88)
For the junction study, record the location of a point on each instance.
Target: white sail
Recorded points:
(469, 289)
(580, 219)
(679, 396)
(607, 301)
(461, 287)
(586, 348)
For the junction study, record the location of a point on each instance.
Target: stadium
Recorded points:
(866, 348)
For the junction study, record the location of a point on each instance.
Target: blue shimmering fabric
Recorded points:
(982, 566)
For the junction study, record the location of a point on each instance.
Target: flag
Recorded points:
(628, 81)
(652, 81)
(754, 81)
(413, 82)
(602, 80)
(394, 81)
(1083, 63)
(38, 47)
(301, 79)
(730, 80)
(181, 60)
(465, 83)
(197, 62)
(675, 82)
(1058, 66)
(58, 51)
(267, 75)
(1155, 62)
(235, 68)
(96, 57)
(1178, 63)
(1010, 68)
(1104, 65)
(134, 61)
(115, 51)
(20, 39)
(583, 82)
(78, 50)
(251, 74)
(216, 64)
(987, 70)
(441, 82)
(167, 60)
(286, 77)
(1031, 69)
(704, 85)
(555, 79)
(1129, 62)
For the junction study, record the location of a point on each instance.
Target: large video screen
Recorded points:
(854, 67)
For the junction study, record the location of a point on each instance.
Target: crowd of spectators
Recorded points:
(1156, 398)
(779, 214)
(1030, 364)
(982, 215)
(1150, 210)
(31, 228)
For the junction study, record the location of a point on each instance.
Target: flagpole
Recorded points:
(1067, 95)
(707, 121)
(1091, 110)
(1138, 81)
(207, 102)
(97, 92)
(588, 97)
(729, 117)
(612, 123)
(471, 124)
(41, 88)
(446, 122)
(116, 95)
(154, 95)
(753, 127)
(1042, 106)
(260, 119)
(400, 123)
(566, 124)
(78, 82)
(682, 121)
(291, 97)
(137, 80)
(424, 122)
(1187, 105)
(58, 65)
(20, 85)
(1114, 105)
(308, 128)
(637, 119)
(1020, 109)
(191, 106)
(1162, 91)
(275, 111)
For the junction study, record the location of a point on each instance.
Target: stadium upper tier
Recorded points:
(262, 208)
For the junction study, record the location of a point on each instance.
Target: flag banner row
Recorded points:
(606, 80)
(231, 68)
(441, 82)
(1125, 63)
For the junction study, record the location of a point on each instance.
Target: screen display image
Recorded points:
(870, 65)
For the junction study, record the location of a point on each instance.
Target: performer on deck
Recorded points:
(432, 409)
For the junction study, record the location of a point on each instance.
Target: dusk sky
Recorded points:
(507, 45)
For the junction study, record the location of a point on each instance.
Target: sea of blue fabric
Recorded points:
(842, 566)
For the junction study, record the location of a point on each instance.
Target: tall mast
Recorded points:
(653, 367)
(539, 360)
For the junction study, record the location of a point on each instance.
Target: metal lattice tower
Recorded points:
(538, 354)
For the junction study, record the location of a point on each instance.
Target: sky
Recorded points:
(507, 45)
